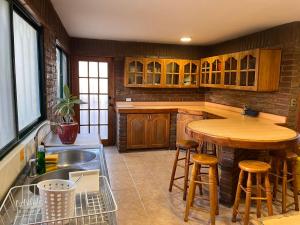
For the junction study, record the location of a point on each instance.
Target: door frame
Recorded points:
(74, 83)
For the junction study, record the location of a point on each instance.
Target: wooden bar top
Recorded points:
(232, 129)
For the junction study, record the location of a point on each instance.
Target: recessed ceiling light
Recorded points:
(185, 39)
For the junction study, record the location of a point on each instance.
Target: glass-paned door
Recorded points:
(93, 77)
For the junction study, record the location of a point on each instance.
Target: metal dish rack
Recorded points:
(22, 206)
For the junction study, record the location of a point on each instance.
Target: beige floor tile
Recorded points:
(140, 183)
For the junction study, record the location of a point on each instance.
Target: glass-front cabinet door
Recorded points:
(205, 72)
(190, 73)
(154, 72)
(248, 70)
(172, 72)
(216, 71)
(230, 69)
(134, 74)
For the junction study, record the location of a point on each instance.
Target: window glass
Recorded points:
(7, 124)
(27, 71)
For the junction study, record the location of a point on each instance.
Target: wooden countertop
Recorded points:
(232, 130)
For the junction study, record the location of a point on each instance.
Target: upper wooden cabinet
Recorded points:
(172, 75)
(135, 69)
(154, 72)
(254, 70)
(190, 73)
(161, 73)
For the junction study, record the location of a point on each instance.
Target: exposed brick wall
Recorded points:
(118, 50)
(53, 31)
(285, 37)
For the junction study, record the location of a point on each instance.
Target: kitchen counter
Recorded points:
(236, 135)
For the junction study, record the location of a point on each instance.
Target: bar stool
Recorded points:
(287, 159)
(187, 146)
(211, 161)
(210, 149)
(258, 168)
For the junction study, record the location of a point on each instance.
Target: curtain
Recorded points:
(27, 71)
(58, 80)
(64, 69)
(7, 124)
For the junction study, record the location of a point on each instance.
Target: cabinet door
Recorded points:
(205, 71)
(248, 70)
(190, 73)
(182, 121)
(230, 66)
(159, 130)
(134, 72)
(172, 73)
(216, 71)
(153, 72)
(137, 128)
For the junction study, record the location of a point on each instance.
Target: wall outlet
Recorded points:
(128, 100)
(293, 102)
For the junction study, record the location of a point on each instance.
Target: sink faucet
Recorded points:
(33, 161)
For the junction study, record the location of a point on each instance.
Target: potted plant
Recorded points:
(67, 127)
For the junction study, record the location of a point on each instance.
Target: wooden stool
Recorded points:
(286, 159)
(211, 161)
(204, 149)
(187, 146)
(258, 168)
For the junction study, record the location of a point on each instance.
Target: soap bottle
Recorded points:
(41, 164)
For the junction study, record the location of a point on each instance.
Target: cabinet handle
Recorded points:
(149, 117)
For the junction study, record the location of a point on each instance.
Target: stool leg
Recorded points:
(284, 186)
(237, 196)
(174, 169)
(258, 202)
(277, 172)
(186, 173)
(212, 194)
(269, 195)
(248, 199)
(295, 185)
(197, 168)
(216, 192)
(199, 178)
(217, 175)
(191, 192)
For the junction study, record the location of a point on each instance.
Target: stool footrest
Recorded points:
(176, 178)
(201, 182)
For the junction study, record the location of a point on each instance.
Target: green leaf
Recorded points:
(67, 91)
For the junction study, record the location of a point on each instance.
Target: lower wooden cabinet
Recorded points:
(182, 120)
(148, 130)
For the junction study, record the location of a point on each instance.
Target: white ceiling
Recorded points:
(165, 21)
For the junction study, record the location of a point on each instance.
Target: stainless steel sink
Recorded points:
(73, 157)
(58, 174)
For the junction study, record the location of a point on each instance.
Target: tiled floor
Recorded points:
(140, 182)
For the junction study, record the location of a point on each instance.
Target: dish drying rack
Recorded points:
(22, 206)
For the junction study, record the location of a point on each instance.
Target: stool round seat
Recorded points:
(205, 159)
(187, 144)
(254, 166)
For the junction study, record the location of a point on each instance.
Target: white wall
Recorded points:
(13, 163)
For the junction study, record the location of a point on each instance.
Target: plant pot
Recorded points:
(67, 132)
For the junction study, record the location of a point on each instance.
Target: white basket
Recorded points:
(57, 198)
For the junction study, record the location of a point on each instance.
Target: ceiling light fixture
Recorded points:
(185, 39)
